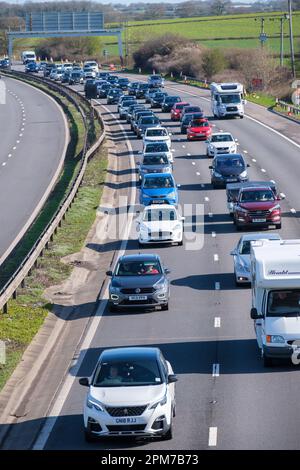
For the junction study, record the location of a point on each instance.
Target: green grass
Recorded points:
(284, 112)
(261, 98)
(26, 314)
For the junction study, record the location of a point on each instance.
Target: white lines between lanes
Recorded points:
(210, 215)
(217, 286)
(293, 211)
(212, 437)
(213, 234)
(263, 170)
(198, 173)
(245, 151)
(254, 160)
(188, 154)
(4, 163)
(217, 322)
(206, 199)
(193, 163)
(216, 370)
(216, 257)
(283, 195)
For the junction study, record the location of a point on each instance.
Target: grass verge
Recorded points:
(27, 313)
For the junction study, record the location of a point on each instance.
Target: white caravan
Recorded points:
(275, 271)
(227, 99)
(28, 55)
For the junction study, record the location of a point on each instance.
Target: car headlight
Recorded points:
(91, 403)
(223, 107)
(232, 149)
(242, 210)
(144, 229)
(275, 339)
(275, 208)
(114, 290)
(172, 195)
(145, 196)
(243, 267)
(161, 402)
(243, 174)
(177, 227)
(161, 284)
(217, 175)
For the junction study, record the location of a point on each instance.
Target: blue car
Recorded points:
(158, 188)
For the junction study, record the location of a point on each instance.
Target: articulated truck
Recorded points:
(227, 99)
(275, 279)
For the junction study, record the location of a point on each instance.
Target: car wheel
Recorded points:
(165, 306)
(89, 437)
(180, 243)
(242, 117)
(169, 434)
(113, 308)
(278, 226)
(268, 362)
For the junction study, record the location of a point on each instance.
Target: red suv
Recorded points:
(257, 206)
(177, 110)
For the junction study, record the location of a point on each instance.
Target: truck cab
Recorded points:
(227, 100)
(275, 280)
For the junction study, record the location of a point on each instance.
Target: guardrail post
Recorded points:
(23, 284)
(15, 295)
(5, 309)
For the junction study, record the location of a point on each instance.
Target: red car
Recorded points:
(199, 129)
(177, 110)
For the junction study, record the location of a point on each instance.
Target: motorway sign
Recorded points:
(263, 37)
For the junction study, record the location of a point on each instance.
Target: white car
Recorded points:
(158, 147)
(160, 223)
(92, 64)
(89, 73)
(131, 393)
(157, 134)
(221, 142)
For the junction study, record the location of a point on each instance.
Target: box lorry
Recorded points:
(275, 279)
(227, 99)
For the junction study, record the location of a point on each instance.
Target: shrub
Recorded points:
(213, 62)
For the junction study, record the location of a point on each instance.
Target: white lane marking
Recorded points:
(55, 411)
(183, 146)
(4, 163)
(213, 234)
(9, 155)
(198, 173)
(206, 199)
(210, 214)
(213, 435)
(188, 154)
(254, 160)
(22, 129)
(18, 141)
(193, 163)
(217, 322)
(21, 135)
(263, 170)
(217, 286)
(216, 257)
(283, 195)
(272, 181)
(14, 148)
(245, 151)
(293, 211)
(216, 370)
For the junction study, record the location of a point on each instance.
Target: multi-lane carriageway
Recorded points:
(225, 398)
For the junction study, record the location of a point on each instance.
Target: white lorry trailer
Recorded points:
(275, 278)
(227, 99)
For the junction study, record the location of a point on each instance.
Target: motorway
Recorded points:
(225, 398)
(34, 136)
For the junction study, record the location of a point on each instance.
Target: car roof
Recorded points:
(260, 236)
(140, 257)
(250, 184)
(227, 156)
(129, 353)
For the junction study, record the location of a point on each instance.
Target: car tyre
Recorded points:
(268, 362)
(169, 434)
(165, 306)
(278, 226)
(88, 436)
(112, 308)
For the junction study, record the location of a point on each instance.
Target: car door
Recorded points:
(169, 371)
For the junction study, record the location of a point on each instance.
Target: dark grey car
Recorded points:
(155, 163)
(139, 281)
(144, 123)
(136, 116)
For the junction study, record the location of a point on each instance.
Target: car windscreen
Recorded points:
(138, 268)
(155, 160)
(159, 215)
(192, 109)
(76, 74)
(157, 147)
(171, 99)
(228, 99)
(149, 120)
(230, 163)
(156, 133)
(128, 373)
(284, 303)
(158, 182)
(199, 124)
(180, 106)
(189, 117)
(222, 138)
(260, 195)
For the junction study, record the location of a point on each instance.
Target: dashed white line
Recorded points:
(20, 135)
(4, 163)
(210, 214)
(9, 155)
(213, 234)
(217, 323)
(254, 160)
(216, 370)
(14, 148)
(198, 173)
(282, 195)
(206, 199)
(188, 154)
(217, 286)
(183, 146)
(245, 151)
(212, 438)
(216, 257)
(263, 170)
(193, 163)
(293, 211)
(18, 141)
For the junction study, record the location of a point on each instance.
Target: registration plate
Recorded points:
(137, 297)
(159, 201)
(258, 220)
(125, 420)
(231, 180)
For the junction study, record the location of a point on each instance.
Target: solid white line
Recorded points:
(217, 285)
(216, 370)
(217, 322)
(70, 379)
(183, 146)
(212, 438)
(216, 257)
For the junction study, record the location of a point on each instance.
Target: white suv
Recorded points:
(220, 142)
(131, 393)
(157, 134)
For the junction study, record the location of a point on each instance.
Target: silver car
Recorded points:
(241, 255)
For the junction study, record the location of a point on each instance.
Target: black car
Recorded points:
(137, 115)
(113, 96)
(191, 109)
(150, 93)
(76, 77)
(103, 75)
(48, 69)
(112, 79)
(157, 99)
(187, 119)
(141, 90)
(156, 81)
(169, 102)
(103, 90)
(4, 63)
(132, 108)
(66, 76)
(123, 83)
(132, 87)
(139, 281)
(228, 168)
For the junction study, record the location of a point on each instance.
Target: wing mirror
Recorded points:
(233, 252)
(172, 378)
(167, 271)
(254, 314)
(84, 381)
(210, 167)
(109, 273)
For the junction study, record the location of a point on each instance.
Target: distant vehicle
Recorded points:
(89, 72)
(257, 206)
(67, 66)
(154, 163)
(158, 147)
(160, 224)
(137, 113)
(144, 123)
(158, 188)
(123, 380)
(31, 67)
(124, 108)
(191, 110)
(157, 99)
(177, 110)
(141, 90)
(124, 98)
(28, 55)
(76, 77)
(91, 64)
(139, 281)
(132, 87)
(112, 79)
(123, 83)
(66, 76)
(228, 168)
(48, 68)
(4, 63)
(220, 142)
(90, 89)
(132, 108)
(233, 190)
(227, 99)
(169, 102)
(113, 96)
(199, 129)
(275, 267)
(187, 118)
(150, 93)
(241, 255)
(156, 81)
(104, 89)
(157, 134)
(103, 75)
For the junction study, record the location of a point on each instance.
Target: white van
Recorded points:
(275, 272)
(28, 55)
